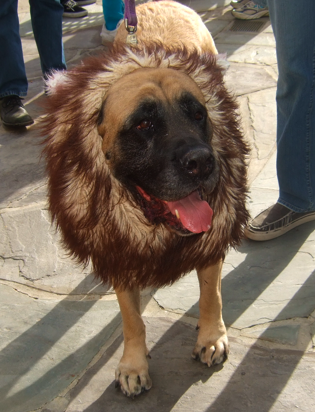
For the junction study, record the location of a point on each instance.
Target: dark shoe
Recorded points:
(276, 221)
(85, 2)
(13, 113)
(71, 9)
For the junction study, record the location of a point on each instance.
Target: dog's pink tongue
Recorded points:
(195, 214)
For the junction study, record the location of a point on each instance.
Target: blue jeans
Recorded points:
(261, 3)
(293, 24)
(46, 18)
(113, 12)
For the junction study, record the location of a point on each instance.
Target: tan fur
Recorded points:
(133, 370)
(163, 83)
(99, 219)
(172, 24)
(212, 333)
(163, 22)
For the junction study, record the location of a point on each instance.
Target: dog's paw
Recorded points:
(133, 378)
(211, 351)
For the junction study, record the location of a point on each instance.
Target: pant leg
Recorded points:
(293, 23)
(113, 12)
(261, 3)
(12, 69)
(46, 18)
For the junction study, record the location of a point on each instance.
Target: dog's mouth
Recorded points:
(187, 216)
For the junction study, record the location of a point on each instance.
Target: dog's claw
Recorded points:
(195, 356)
(212, 353)
(130, 383)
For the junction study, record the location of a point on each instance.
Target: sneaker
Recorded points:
(276, 221)
(85, 2)
(71, 9)
(108, 36)
(238, 4)
(251, 11)
(12, 112)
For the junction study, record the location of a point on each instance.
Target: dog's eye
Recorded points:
(144, 125)
(198, 116)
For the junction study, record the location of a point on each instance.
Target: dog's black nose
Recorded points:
(198, 161)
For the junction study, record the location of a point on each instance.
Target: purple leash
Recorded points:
(131, 21)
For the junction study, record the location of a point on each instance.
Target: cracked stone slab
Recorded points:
(284, 334)
(267, 179)
(32, 254)
(255, 106)
(251, 81)
(31, 239)
(262, 106)
(261, 282)
(253, 378)
(46, 344)
(263, 55)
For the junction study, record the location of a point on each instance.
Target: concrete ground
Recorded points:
(61, 331)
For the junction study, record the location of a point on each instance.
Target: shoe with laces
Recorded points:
(108, 36)
(13, 113)
(276, 221)
(71, 9)
(251, 11)
(238, 4)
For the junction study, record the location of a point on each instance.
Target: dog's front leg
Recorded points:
(132, 373)
(212, 344)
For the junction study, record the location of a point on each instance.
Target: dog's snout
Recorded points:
(198, 161)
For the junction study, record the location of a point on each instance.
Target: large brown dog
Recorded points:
(143, 147)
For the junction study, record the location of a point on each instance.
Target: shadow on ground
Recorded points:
(173, 372)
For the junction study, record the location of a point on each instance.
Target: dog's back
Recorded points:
(171, 24)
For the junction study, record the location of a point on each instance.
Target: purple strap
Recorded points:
(130, 13)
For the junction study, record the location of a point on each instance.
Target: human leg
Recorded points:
(13, 79)
(113, 13)
(295, 44)
(46, 18)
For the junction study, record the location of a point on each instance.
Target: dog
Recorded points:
(146, 168)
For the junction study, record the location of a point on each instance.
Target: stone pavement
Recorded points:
(61, 331)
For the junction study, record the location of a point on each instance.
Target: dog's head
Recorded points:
(157, 142)
(156, 126)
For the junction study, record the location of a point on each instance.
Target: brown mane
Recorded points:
(96, 215)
